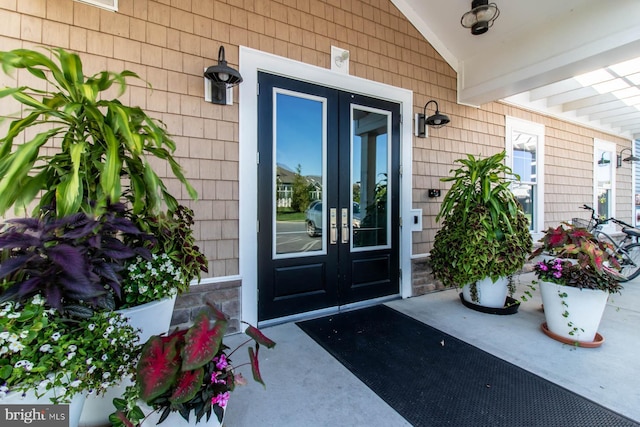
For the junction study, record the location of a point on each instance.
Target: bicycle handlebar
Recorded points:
(599, 220)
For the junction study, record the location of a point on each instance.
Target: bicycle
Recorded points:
(627, 251)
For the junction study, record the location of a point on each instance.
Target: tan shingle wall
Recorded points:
(169, 42)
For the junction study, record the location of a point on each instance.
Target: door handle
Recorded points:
(345, 225)
(333, 228)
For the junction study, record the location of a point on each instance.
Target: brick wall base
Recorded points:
(422, 280)
(225, 296)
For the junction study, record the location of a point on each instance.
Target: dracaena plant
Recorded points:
(74, 262)
(188, 371)
(103, 145)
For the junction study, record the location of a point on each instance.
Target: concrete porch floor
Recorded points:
(306, 386)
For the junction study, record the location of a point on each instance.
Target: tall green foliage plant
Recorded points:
(104, 145)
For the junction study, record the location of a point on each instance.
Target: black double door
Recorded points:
(328, 197)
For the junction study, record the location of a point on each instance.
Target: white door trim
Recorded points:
(252, 61)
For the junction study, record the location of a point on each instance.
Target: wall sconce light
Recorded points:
(630, 159)
(603, 161)
(481, 16)
(219, 78)
(422, 121)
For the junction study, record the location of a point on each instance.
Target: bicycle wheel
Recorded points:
(630, 261)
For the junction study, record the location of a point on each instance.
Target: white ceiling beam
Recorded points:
(624, 109)
(621, 118)
(595, 107)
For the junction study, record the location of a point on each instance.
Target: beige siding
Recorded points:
(170, 42)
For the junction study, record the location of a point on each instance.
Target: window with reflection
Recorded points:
(604, 173)
(524, 164)
(369, 177)
(299, 179)
(525, 154)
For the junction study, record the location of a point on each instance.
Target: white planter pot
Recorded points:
(585, 308)
(153, 318)
(490, 294)
(98, 408)
(175, 419)
(75, 406)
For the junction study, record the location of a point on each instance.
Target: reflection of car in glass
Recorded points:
(313, 218)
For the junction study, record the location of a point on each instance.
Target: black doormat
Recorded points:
(434, 379)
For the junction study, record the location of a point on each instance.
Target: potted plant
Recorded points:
(51, 357)
(80, 152)
(576, 284)
(485, 234)
(186, 376)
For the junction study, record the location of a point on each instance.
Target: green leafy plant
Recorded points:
(43, 349)
(104, 145)
(482, 182)
(173, 233)
(188, 371)
(485, 232)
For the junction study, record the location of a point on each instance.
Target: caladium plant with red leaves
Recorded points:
(562, 240)
(582, 260)
(188, 371)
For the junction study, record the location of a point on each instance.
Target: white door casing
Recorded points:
(252, 61)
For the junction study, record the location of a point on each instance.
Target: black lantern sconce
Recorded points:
(481, 16)
(631, 158)
(218, 78)
(436, 121)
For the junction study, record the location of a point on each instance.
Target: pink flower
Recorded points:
(557, 274)
(542, 266)
(221, 362)
(221, 399)
(215, 379)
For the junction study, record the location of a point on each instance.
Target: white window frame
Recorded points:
(111, 5)
(514, 124)
(611, 148)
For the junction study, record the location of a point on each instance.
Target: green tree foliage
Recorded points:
(300, 193)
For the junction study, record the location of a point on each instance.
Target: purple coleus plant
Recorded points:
(189, 371)
(74, 262)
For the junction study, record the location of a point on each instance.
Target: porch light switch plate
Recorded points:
(416, 219)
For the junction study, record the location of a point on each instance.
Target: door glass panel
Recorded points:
(370, 215)
(298, 177)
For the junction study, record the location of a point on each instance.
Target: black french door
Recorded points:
(328, 197)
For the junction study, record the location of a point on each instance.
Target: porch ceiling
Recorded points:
(576, 59)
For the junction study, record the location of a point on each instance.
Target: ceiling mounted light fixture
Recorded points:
(481, 16)
(221, 77)
(629, 159)
(436, 121)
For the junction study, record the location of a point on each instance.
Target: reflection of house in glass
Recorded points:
(285, 178)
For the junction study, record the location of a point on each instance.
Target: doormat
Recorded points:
(434, 379)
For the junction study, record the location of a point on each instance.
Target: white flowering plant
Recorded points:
(150, 280)
(43, 350)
